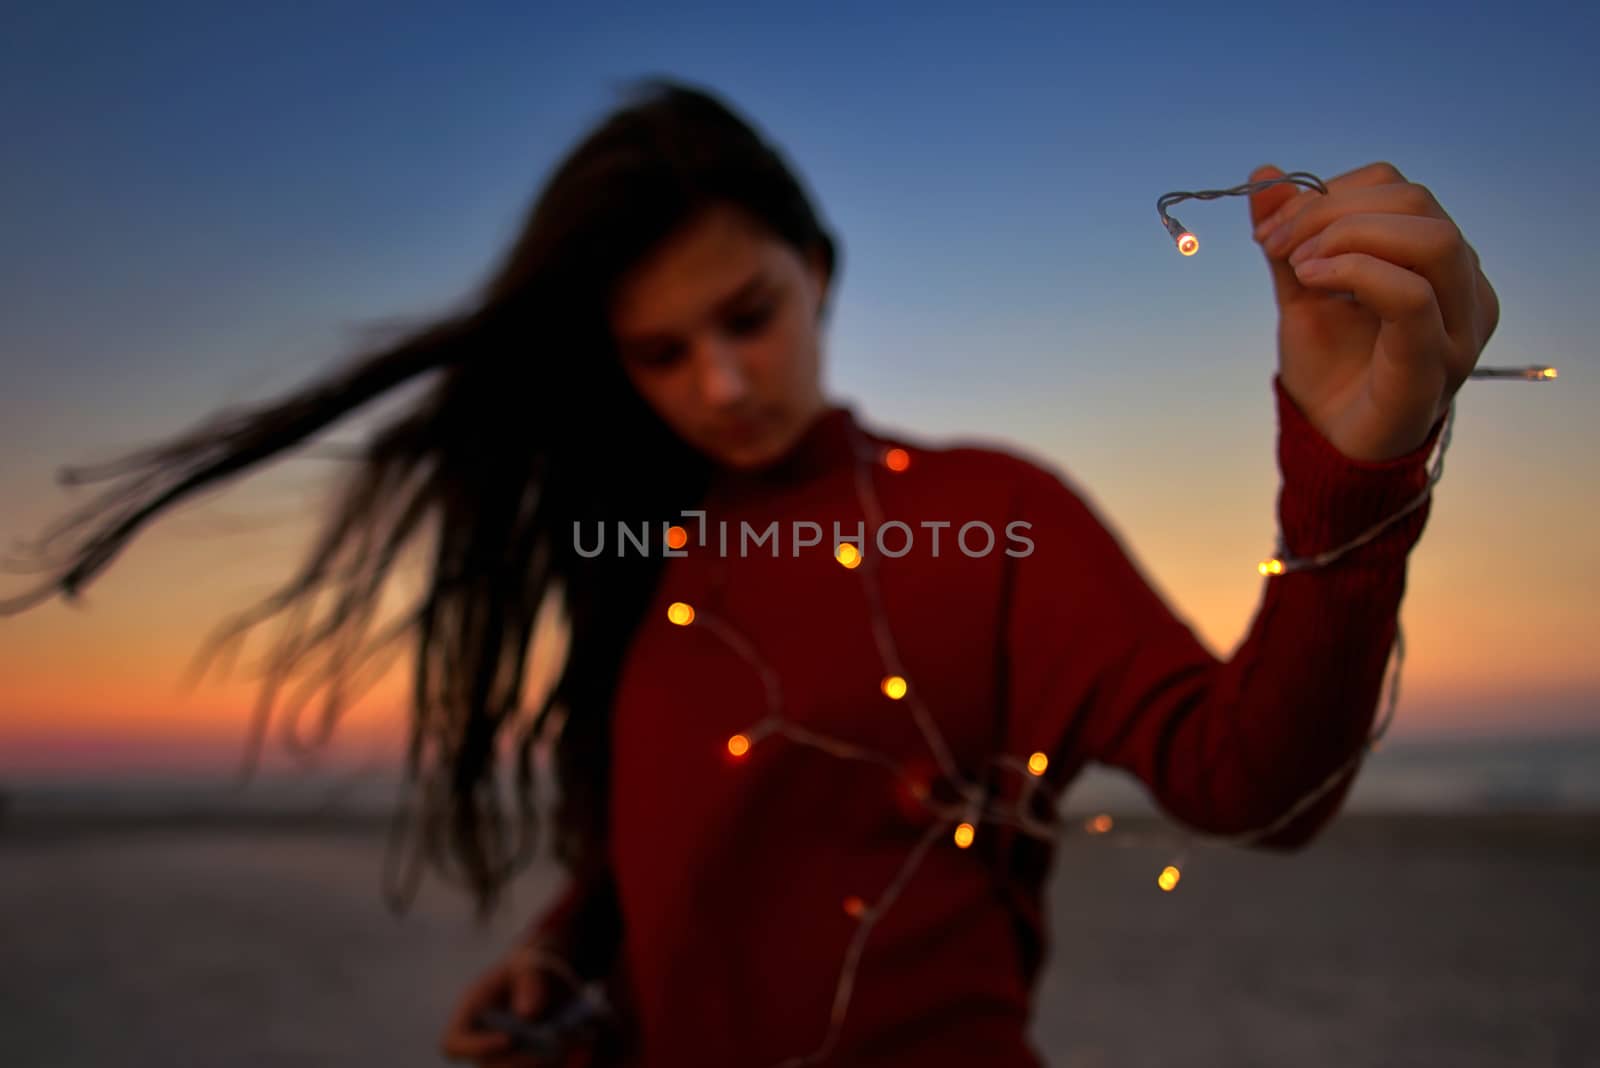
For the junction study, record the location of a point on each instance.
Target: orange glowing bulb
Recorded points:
(1188, 244)
(854, 906)
(1098, 824)
(894, 687)
(964, 835)
(738, 745)
(1169, 878)
(1037, 763)
(677, 537)
(680, 613)
(897, 459)
(848, 555)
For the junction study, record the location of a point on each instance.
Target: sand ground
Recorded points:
(1392, 940)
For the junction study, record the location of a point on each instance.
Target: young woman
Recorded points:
(809, 740)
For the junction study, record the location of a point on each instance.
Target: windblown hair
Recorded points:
(529, 426)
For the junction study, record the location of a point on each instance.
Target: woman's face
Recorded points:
(718, 330)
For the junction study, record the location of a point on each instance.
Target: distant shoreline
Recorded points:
(1531, 827)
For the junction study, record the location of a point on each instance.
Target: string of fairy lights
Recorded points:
(959, 821)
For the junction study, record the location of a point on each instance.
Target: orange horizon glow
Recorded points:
(1497, 641)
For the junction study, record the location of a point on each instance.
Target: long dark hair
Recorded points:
(530, 426)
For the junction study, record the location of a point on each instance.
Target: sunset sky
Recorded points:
(202, 204)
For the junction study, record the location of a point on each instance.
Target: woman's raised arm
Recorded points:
(1101, 668)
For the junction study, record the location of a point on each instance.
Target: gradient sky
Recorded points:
(201, 203)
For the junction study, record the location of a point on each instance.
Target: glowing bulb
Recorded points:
(680, 613)
(1037, 763)
(894, 687)
(964, 835)
(897, 459)
(848, 555)
(1097, 824)
(1169, 878)
(1549, 372)
(677, 537)
(1188, 244)
(738, 745)
(1270, 567)
(854, 906)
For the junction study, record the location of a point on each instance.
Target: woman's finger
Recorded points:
(1412, 358)
(1431, 247)
(1369, 174)
(1270, 203)
(463, 1038)
(527, 989)
(1351, 187)
(1269, 207)
(1316, 212)
(1284, 208)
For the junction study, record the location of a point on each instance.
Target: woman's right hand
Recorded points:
(517, 982)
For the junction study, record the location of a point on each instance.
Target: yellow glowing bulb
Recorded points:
(677, 537)
(848, 555)
(1098, 824)
(1169, 878)
(964, 835)
(1549, 372)
(1270, 567)
(897, 459)
(1188, 244)
(854, 906)
(894, 687)
(680, 613)
(738, 745)
(1037, 763)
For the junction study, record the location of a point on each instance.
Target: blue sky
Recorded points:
(192, 183)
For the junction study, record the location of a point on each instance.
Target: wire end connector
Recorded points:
(1187, 243)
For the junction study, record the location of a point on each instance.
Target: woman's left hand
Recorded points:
(1374, 346)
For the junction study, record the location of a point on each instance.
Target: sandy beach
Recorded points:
(1467, 940)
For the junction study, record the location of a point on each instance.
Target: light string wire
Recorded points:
(1187, 243)
(977, 807)
(963, 816)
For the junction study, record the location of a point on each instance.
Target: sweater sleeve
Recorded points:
(1101, 669)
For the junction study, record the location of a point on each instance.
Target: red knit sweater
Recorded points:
(732, 875)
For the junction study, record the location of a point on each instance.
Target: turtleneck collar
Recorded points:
(828, 443)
